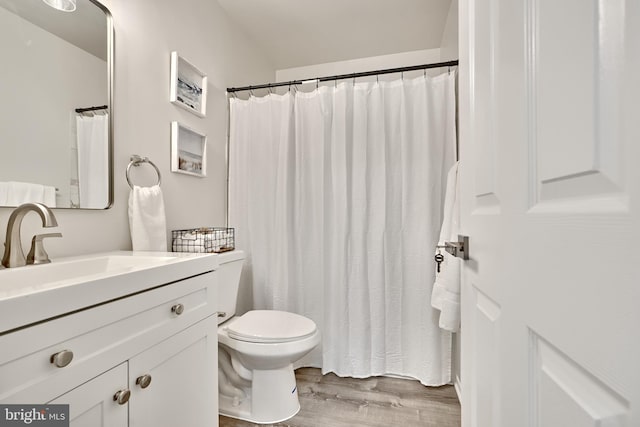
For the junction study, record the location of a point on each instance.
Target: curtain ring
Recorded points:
(378, 78)
(354, 79)
(424, 72)
(402, 75)
(317, 83)
(270, 91)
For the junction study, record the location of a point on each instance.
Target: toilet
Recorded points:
(256, 352)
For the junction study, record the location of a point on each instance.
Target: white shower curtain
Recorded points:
(336, 195)
(92, 136)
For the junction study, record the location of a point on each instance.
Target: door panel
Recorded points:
(483, 116)
(574, 105)
(92, 405)
(184, 378)
(550, 295)
(486, 360)
(566, 394)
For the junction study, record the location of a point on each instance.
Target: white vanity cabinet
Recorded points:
(156, 347)
(91, 404)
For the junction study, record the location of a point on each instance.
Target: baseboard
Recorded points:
(457, 384)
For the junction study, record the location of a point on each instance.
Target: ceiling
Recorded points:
(294, 33)
(86, 27)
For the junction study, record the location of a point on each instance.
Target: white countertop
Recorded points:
(35, 293)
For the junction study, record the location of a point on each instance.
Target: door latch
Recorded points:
(458, 249)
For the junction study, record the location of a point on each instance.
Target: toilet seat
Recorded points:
(270, 326)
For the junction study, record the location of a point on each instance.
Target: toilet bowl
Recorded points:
(256, 352)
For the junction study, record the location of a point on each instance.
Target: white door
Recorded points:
(550, 187)
(92, 404)
(183, 373)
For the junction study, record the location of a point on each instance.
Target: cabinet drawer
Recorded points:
(99, 337)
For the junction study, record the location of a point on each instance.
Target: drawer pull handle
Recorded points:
(62, 358)
(143, 381)
(122, 396)
(222, 314)
(177, 309)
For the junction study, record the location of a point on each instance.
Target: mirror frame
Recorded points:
(109, 102)
(110, 83)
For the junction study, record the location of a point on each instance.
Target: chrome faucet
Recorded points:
(13, 254)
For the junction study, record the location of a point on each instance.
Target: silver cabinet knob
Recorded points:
(177, 309)
(62, 358)
(122, 396)
(143, 380)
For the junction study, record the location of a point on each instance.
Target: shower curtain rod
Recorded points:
(83, 110)
(345, 76)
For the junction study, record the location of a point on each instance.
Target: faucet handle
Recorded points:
(37, 254)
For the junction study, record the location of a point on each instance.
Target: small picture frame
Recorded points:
(188, 151)
(188, 86)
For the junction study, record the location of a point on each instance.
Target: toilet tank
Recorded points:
(228, 277)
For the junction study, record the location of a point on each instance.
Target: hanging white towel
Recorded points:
(15, 193)
(92, 139)
(4, 193)
(49, 196)
(446, 289)
(147, 221)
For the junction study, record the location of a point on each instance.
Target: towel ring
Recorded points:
(135, 161)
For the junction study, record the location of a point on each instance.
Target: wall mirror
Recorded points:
(56, 131)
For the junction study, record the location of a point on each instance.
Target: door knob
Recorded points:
(61, 358)
(122, 396)
(458, 249)
(177, 309)
(143, 380)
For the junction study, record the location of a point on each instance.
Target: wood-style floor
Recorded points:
(330, 401)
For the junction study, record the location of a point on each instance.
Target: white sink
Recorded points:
(19, 280)
(33, 293)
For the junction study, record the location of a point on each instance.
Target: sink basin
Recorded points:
(41, 276)
(33, 293)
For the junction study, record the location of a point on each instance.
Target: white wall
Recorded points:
(449, 44)
(403, 59)
(146, 32)
(48, 141)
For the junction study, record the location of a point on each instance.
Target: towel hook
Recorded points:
(135, 161)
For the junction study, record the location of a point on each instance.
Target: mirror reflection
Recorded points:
(55, 115)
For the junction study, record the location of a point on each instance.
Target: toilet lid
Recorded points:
(268, 326)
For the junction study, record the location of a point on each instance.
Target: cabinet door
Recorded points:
(92, 404)
(184, 380)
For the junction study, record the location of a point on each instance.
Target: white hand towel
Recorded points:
(147, 221)
(49, 196)
(4, 192)
(24, 192)
(446, 289)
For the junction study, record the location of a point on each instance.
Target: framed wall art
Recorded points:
(188, 86)
(188, 151)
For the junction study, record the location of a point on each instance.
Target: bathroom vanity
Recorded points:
(124, 338)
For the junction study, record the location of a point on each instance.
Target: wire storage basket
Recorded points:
(203, 240)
